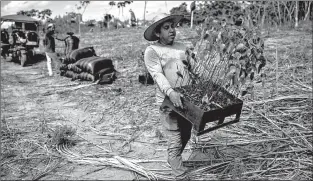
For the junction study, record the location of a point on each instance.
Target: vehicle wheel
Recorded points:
(15, 57)
(23, 57)
(4, 51)
(33, 52)
(9, 58)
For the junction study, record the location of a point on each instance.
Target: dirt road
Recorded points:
(32, 102)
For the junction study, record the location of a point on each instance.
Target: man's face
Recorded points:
(167, 33)
(51, 29)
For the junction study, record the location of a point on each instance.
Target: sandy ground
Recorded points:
(31, 102)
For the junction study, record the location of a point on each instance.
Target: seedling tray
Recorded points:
(200, 116)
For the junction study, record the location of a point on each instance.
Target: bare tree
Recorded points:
(122, 5)
(112, 3)
(279, 16)
(82, 5)
(296, 14)
(289, 10)
(119, 5)
(308, 11)
(144, 14)
(192, 8)
(264, 14)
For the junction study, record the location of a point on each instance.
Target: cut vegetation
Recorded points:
(54, 128)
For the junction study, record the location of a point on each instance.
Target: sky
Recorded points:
(95, 10)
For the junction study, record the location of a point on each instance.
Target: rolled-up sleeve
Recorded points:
(154, 67)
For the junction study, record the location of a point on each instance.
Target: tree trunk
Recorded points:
(308, 12)
(79, 25)
(144, 14)
(258, 14)
(192, 12)
(80, 18)
(263, 16)
(284, 14)
(279, 16)
(296, 14)
(276, 14)
(292, 10)
(287, 10)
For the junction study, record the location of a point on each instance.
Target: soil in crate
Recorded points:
(194, 94)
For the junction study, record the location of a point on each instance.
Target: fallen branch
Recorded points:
(302, 96)
(46, 171)
(268, 119)
(66, 85)
(69, 89)
(212, 145)
(278, 169)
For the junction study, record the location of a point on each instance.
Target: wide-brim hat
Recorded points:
(50, 25)
(149, 34)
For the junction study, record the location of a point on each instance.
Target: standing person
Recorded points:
(49, 44)
(71, 42)
(164, 59)
(132, 18)
(5, 44)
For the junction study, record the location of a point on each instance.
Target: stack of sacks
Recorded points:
(83, 64)
(78, 54)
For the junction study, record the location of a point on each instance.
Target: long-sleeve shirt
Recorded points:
(49, 43)
(165, 64)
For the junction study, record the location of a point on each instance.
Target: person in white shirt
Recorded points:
(165, 59)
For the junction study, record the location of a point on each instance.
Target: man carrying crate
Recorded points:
(166, 62)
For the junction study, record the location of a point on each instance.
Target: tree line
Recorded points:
(263, 13)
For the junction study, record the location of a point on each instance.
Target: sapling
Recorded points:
(225, 57)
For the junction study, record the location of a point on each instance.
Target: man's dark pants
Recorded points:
(177, 130)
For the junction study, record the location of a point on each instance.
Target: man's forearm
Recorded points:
(60, 39)
(163, 83)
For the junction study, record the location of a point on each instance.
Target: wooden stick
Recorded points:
(271, 168)
(69, 89)
(303, 85)
(217, 105)
(306, 141)
(278, 169)
(66, 85)
(271, 121)
(245, 142)
(276, 70)
(297, 96)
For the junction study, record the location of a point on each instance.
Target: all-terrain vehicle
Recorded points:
(23, 40)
